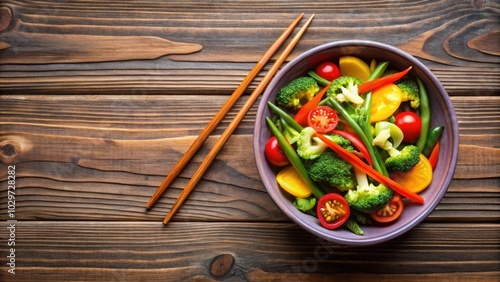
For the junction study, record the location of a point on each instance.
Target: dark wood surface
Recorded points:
(99, 99)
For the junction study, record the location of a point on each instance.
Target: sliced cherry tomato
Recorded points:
(433, 157)
(332, 210)
(417, 178)
(410, 124)
(328, 71)
(274, 154)
(385, 101)
(354, 139)
(390, 212)
(290, 180)
(323, 119)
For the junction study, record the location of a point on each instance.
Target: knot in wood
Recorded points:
(221, 265)
(8, 150)
(479, 4)
(5, 18)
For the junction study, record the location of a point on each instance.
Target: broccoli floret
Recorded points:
(343, 142)
(345, 88)
(298, 92)
(310, 147)
(330, 169)
(409, 89)
(402, 160)
(367, 197)
(398, 160)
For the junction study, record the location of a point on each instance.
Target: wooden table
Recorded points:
(99, 99)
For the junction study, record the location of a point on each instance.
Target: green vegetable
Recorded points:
(354, 227)
(395, 133)
(294, 158)
(367, 197)
(346, 144)
(425, 115)
(309, 146)
(409, 89)
(361, 218)
(343, 90)
(306, 205)
(318, 78)
(432, 139)
(357, 129)
(402, 160)
(285, 116)
(330, 169)
(288, 131)
(298, 92)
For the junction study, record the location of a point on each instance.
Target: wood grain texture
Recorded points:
(70, 48)
(94, 153)
(232, 37)
(87, 164)
(89, 251)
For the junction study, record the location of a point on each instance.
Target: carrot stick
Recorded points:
(358, 163)
(301, 116)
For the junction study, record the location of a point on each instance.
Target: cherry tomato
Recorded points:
(323, 119)
(274, 154)
(410, 124)
(390, 212)
(328, 71)
(332, 210)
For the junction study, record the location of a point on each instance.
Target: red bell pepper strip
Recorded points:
(433, 157)
(301, 116)
(376, 83)
(356, 142)
(357, 162)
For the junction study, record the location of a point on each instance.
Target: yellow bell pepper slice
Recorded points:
(418, 178)
(385, 101)
(290, 180)
(355, 67)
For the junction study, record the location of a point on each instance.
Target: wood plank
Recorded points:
(107, 154)
(232, 37)
(110, 251)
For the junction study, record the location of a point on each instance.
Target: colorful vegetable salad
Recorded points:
(352, 142)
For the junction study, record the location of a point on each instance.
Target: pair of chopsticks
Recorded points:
(234, 123)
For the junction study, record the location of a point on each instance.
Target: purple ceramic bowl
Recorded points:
(442, 113)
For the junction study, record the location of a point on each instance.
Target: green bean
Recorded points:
(284, 115)
(318, 78)
(425, 115)
(294, 159)
(333, 103)
(378, 71)
(432, 139)
(353, 226)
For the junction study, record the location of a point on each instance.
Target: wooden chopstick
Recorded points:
(202, 137)
(234, 123)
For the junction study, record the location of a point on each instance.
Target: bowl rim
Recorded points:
(326, 234)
